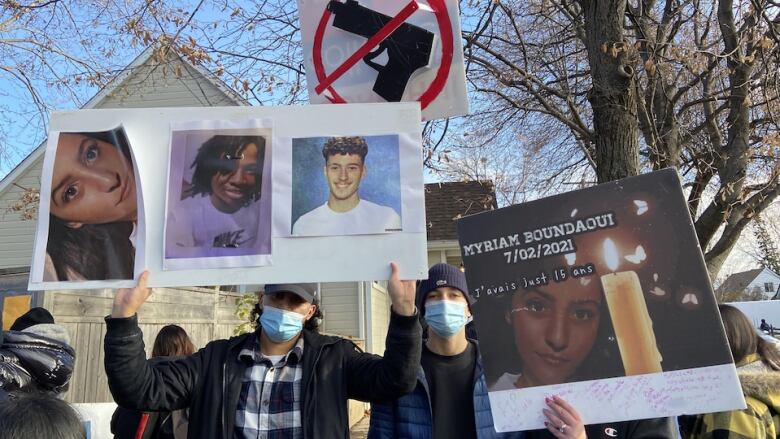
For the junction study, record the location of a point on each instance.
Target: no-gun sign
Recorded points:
(385, 51)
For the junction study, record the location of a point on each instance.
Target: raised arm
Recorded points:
(381, 378)
(134, 381)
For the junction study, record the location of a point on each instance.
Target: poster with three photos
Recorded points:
(600, 296)
(210, 196)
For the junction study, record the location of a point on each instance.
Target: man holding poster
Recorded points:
(283, 380)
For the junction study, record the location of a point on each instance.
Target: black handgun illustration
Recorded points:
(408, 47)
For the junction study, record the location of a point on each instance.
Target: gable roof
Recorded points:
(739, 281)
(446, 202)
(113, 85)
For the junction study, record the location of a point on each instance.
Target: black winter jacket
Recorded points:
(209, 381)
(33, 363)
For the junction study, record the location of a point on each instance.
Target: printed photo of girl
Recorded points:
(93, 209)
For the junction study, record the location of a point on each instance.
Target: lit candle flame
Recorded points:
(611, 254)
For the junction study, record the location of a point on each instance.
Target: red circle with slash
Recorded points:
(443, 21)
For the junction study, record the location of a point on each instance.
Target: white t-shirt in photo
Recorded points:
(364, 219)
(197, 223)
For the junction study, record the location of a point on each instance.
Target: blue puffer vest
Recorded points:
(410, 415)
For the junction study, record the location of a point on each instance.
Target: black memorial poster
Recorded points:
(601, 287)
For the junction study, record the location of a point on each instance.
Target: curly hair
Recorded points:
(345, 145)
(220, 154)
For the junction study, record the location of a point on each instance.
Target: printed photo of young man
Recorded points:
(346, 211)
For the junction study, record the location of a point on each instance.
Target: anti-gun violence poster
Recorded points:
(227, 196)
(600, 296)
(385, 51)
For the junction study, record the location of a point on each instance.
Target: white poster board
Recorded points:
(385, 51)
(333, 257)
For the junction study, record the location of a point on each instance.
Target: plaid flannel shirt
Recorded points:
(269, 405)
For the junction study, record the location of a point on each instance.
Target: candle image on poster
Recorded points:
(601, 296)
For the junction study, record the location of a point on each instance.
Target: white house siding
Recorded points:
(444, 252)
(380, 317)
(339, 304)
(174, 84)
(766, 276)
(17, 235)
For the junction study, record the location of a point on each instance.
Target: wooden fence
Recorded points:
(205, 313)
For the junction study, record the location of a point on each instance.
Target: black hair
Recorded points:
(313, 324)
(345, 145)
(220, 154)
(94, 251)
(604, 360)
(26, 416)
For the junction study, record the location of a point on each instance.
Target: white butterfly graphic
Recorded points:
(641, 206)
(690, 298)
(638, 256)
(656, 291)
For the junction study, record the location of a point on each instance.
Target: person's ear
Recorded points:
(363, 172)
(312, 311)
(74, 224)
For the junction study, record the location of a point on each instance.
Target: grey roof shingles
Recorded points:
(446, 202)
(739, 281)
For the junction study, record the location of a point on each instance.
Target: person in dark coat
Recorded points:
(450, 398)
(172, 341)
(283, 380)
(35, 355)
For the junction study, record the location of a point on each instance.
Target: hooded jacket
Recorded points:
(761, 418)
(37, 359)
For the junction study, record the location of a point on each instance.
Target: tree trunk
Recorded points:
(612, 97)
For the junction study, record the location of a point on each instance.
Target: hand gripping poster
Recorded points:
(600, 296)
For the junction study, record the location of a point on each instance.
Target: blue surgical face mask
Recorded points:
(281, 325)
(446, 317)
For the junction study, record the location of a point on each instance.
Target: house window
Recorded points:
(769, 287)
